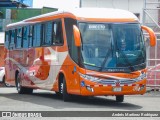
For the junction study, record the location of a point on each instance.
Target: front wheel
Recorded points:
(20, 88)
(119, 98)
(63, 90)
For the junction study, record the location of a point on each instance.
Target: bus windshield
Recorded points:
(112, 47)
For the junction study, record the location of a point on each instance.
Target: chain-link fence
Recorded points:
(153, 65)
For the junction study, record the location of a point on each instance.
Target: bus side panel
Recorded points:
(42, 63)
(7, 67)
(1, 56)
(33, 64)
(13, 60)
(72, 76)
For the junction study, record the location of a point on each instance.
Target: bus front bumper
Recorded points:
(96, 90)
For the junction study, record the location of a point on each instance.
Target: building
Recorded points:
(12, 3)
(148, 11)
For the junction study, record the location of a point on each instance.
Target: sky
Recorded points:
(62, 4)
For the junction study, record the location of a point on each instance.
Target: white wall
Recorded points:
(135, 6)
(1, 37)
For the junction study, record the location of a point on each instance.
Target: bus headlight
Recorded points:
(88, 77)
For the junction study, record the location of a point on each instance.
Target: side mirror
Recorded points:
(151, 35)
(77, 37)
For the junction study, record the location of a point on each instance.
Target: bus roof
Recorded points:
(84, 13)
(102, 13)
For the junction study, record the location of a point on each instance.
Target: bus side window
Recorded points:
(37, 35)
(30, 36)
(25, 37)
(57, 33)
(7, 39)
(47, 33)
(12, 39)
(19, 38)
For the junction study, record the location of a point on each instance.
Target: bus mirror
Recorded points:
(77, 37)
(151, 35)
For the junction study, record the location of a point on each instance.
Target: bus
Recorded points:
(2, 69)
(83, 51)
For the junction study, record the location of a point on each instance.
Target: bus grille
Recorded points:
(113, 82)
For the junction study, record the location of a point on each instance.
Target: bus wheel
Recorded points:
(66, 96)
(20, 88)
(119, 98)
(4, 83)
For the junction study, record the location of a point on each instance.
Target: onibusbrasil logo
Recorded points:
(21, 114)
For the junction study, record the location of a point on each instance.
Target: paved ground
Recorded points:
(47, 101)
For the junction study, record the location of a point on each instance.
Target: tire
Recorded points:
(4, 83)
(119, 98)
(63, 91)
(20, 88)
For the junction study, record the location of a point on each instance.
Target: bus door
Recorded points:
(73, 72)
(11, 60)
(7, 55)
(21, 53)
(38, 58)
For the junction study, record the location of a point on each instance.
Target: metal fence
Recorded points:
(153, 65)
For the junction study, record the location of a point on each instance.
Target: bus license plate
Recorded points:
(117, 89)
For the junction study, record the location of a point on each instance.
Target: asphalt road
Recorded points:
(42, 100)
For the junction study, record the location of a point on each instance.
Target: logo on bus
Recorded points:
(117, 83)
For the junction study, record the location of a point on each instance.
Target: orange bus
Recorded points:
(1, 55)
(84, 51)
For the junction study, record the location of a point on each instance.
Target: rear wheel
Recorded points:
(60, 92)
(20, 88)
(119, 98)
(4, 83)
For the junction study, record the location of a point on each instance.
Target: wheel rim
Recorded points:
(61, 88)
